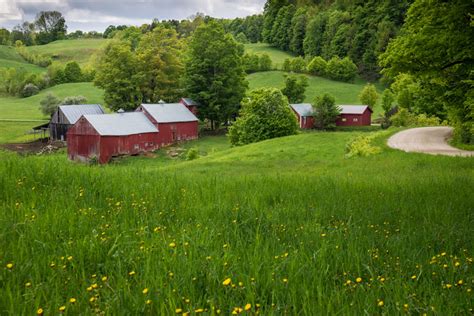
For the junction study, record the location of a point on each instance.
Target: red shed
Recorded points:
(110, 135)
(175, 121)
(355, 115)
(304, 112)
(191, 105)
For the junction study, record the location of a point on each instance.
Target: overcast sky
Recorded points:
(96, 15)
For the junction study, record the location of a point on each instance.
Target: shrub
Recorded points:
(325, 112)
(298, 65)
(193, 153)
(265, 62)
(265, 114)
(29, 90)
(341, 69)
(361, 146)
(241, 38)
(286, 65)
(369, 95)
(295, 88)
(317, 66)
(49, 104)
(74, 100)
(251, 63)
(407, 119)
(72, 72)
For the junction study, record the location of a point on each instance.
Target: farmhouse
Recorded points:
(354, 115)
(191, 105)
(67, 115)
(109, 135)
(175, 121)
(304, 112)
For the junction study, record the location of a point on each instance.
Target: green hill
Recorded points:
(80, 50)
(278, 56)
(9, 58)
(345, 93)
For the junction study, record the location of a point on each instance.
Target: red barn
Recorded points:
(105, 136)
(175, 121)
(191, 105)
(304, 112)
(354, 115)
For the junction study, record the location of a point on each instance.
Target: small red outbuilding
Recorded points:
(109, 135)
(175, 121)
(304, 113)
(191, 105)
(354, 115)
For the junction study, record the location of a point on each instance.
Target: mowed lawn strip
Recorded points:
(296, 227)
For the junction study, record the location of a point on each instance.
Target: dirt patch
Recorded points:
(38, 147)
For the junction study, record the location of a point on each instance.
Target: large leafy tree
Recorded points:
(433, 47)
(295, 88)
(214, 75)
(325, 112)
(51, 26)
(265, 114)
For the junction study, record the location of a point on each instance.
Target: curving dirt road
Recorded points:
(428, 140)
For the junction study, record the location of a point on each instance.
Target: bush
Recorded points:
(369, 95)
(325, 112)
(72, 72)
(74, 100)
(361, 146)
(265, 62)
(286, 65)
(295, 88)
(192, 154)
(341, 69)
(32, 58)
(241, 38)
(298, 65)
(49, 104)
(265, 114)
(251, 63)
(29, 90)
(318, 66)
(407, 119)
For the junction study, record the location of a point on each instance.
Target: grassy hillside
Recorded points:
(9, 58)
(80, 50)
(28, 108)
(289, 224)
(278, 56)
(345, 93)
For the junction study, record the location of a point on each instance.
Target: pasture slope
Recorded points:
(285, 226)
(9, 58)
(278, 56)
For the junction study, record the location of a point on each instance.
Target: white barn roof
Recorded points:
(121, 124)
(189, 102)
(74, 112)
(303, 109)
(169, 113)
(353, 109)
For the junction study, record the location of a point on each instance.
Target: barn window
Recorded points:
(344, 119)
(356, 120)
(136, 146)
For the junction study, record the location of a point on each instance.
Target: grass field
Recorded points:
(345, 93)
(288, 226)
(80, 50)
(9, 58)
(278, 56)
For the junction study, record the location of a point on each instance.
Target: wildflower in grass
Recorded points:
(469, 290)
(445, 265)
(39, 311)
(227, 282)
(178, 311)
(148, 302)
(145, 291)
(457, 264)
(348, 282)
(89, 289)
(443, 254)
(241, 284)
(359, 280)
(171, 274)
(28, 284)
(92, 299)
(199, 311)
(72, 300)
(285, 280)
(247, 307)
(380, 303)
(405, 306)
(94, 286)
(104, 278)
(448, 286)
(10, 266)
(69, 258)
(237, 310)
(382, 280)
(323, 235)
(413, 277)
(172, 245)
(62, 308)
(131, 273)
(460, 282)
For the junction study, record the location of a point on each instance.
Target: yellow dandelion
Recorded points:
(460, 282)
(227, 281)
(405, 306)
(72, 300)
(69, 258)
(62, 308)
(359, 280)
(285, 280)
(380, 304)
(413, 277)
(172, 245)
(131, 273)
(10, 265)
(469, 290)
(323, 235)
(348, 282)
(104, 278)
(92, 299)
(148, 302)
(457, 264)
(28, 284)
(94, 286)
(39, 311)
(382, 279)
(178, 311)
(145, 290)
(448, 286)
(241, 284)
(247, 307)
(199, 310)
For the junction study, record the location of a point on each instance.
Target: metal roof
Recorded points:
(74, 112)
(189, 102)
(303, 109)
(121, 124)
(353, 109)
(171, 112)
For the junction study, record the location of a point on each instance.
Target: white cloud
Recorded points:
(88, 16)
(9, 11)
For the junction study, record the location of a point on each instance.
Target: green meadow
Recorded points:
(9, 58)
(285, 226)
(278, 56)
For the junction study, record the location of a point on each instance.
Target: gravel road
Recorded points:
(428, 140)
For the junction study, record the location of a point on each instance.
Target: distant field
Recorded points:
(80, 50)
(28, 108)
(9, 58)
(278, 56)
(345, 93)
(12, 132)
